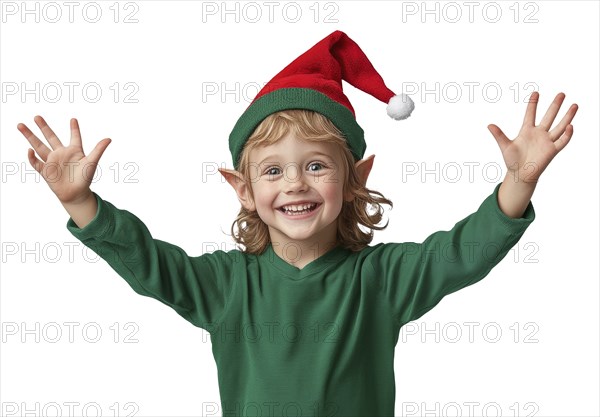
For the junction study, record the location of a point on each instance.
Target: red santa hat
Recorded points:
(313, 81)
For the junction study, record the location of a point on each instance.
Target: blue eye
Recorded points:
(269, 171)
(316, 163)
(274, 170)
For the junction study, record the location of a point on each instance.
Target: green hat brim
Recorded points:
(296, 98)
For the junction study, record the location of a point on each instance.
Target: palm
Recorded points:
(67, 170)
(63, 172)
(528, 155)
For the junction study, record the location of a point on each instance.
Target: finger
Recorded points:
(560, 128)
(529, 119)
(37, 144)
(96, 154)
(564, 139)
(35, 163)
(500, 137)
(75, 133)
(552, 111)
(48, 133)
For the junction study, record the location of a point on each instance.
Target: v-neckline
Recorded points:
(328, 259)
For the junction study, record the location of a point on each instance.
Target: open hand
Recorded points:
(528, 155)
(67, 170)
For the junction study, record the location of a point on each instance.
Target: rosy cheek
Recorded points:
(331, 193)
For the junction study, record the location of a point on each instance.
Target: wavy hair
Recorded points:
(253, 233)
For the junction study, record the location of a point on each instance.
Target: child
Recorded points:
(305, 319)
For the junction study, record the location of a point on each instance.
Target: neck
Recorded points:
(301, 253)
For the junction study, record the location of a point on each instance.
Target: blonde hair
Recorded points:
(253, 233)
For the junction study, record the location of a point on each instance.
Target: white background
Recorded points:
(172, 135)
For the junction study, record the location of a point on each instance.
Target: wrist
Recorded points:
(82, 212)
(514, 196)
(79, 200)
(517, 180)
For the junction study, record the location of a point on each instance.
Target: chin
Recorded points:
(299, 237)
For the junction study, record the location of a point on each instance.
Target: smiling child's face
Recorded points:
(298, 171)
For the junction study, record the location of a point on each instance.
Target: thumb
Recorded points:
(101, 146)
(499, 135)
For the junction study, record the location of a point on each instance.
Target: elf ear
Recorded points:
(363, 169)
(236, 180)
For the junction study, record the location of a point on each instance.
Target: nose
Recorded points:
(294, 179)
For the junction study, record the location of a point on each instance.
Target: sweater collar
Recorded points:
(329, 259)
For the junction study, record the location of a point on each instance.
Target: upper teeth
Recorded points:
(299, 207)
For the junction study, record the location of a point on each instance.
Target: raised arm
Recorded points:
(197, 288)
(414, 277)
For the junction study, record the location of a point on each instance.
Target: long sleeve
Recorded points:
(414, 277)
(197, 288)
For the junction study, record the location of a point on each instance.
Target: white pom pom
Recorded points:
(400, 107)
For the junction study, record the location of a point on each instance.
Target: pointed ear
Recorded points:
(363, 169)
(236, 180)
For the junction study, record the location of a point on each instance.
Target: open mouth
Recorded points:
(297, 211)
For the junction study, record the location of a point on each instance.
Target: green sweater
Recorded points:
(316, 341)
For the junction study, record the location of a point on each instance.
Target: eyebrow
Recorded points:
(311, 154)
